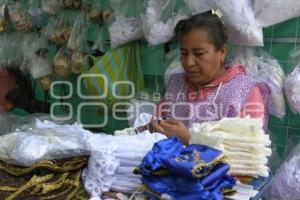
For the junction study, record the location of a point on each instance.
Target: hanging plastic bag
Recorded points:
(270, 12)
(174, 67)
(29, 147)
(263, 67)
(120, 64)
(62, 63)
(93, 10)
(124, 25)
(51, 7)
(59, 28)
(243, 29)
(11, 55)
(77, 34)
(4, 16)
(160, 19)
(286, 182)
(71, 4)
(199, 6)
(292, 90)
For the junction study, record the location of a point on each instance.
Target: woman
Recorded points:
(208, 89)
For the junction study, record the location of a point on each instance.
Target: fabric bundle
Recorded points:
(113, 160)
(286, 182)
(195, 172)
(242, 140)
(292, 90)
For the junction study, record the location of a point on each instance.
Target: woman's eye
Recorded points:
(199, 54)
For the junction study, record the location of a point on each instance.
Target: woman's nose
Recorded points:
(190, 60)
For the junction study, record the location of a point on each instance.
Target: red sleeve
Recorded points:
(254, 105)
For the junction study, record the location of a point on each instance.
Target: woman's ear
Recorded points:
(223, 52)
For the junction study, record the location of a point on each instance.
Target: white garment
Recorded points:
(242, 140)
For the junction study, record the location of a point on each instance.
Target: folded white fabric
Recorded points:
(113, 159)
(242, 140)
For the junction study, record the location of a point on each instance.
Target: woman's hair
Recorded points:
(207, 21)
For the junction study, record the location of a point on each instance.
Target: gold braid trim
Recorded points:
(58, 195)
(201, 165)
(228, 191)
(32, 182)
(48, 187)
(77, 182)
(47, 164)
(146, 189)
(8, 188)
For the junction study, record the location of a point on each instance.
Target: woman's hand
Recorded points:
(172, 127)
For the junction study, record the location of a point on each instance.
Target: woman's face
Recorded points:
(202, 63)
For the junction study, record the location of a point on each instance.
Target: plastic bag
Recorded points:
(4, 17)
(270, 12)
(125, 26)
(11, 54)
(263, 67)
(62, 63)
(199, 6)
(71, 4)
(292, 90)
(243, 29)
(286, 182)
(78, 33)
(31, 146)
(59, 29)
(51, 7)
(160, 19)
(93, 10)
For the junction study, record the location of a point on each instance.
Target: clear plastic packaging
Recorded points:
(4, 17)
(77, 34)
(62, 63)
(51, 7)
(199, 6)
(50, 141)
(124, 25)
(263, 67)
(93, 10)
(270, 12)
(292, 90)
(286, 182)
(174, 68)
(160, 19)
(239, 17)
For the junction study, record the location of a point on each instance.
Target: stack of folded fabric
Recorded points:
(113, 160)
(242, 140)
(173, 171)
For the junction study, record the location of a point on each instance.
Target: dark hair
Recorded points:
(204, 21)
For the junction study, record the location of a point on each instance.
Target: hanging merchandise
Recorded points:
(93, 10)
(62, 63)
(292, 90)
(72, 4)
(160, 19)
(263, 67)
(25, 17)
(4, 17)
(77, 34)
(199, 6)
(59, 28)
(270, 12)
(124, 25)
(286, 182)
(242, 140)
(11, 55)
(77, 62)
(51, 7)
(54, 142)
(243, 28)
(35, 60)
(120, 64)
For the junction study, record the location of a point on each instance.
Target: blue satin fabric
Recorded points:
(180, 183)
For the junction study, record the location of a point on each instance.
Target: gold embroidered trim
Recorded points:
(8, 188)
(47, 164)
(32, 182)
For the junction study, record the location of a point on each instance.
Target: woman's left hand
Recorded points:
(176, 128)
